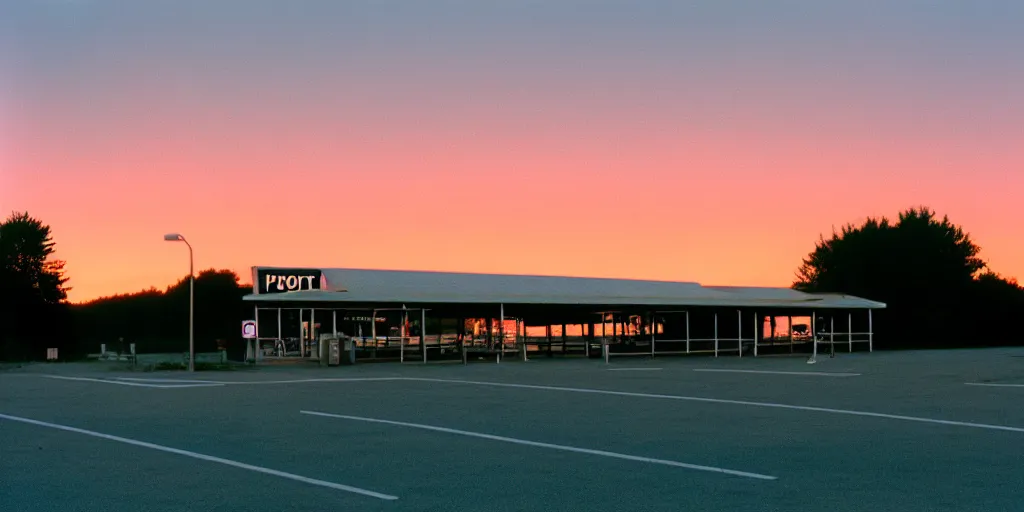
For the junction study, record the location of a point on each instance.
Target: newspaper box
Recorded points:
(334, 351)
(324, 349)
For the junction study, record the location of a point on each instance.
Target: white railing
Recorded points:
(439, 343)
(847, 339)
(564, 344)
(654, 347)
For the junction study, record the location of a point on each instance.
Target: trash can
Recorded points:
(349, 351)
(323, 350)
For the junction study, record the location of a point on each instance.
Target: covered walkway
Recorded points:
(432, 316)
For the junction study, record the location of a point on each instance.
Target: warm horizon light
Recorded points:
(653, 140)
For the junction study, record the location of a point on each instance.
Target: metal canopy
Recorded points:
(363, 286)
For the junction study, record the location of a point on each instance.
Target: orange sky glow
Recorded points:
(613, 153)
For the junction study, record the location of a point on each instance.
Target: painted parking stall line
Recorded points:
(183, 384)
(551, 446)
(918, 419)
(262, 382)
(778, 372)
(208, 458)
(162, 383)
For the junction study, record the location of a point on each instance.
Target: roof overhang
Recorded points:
(361, 286)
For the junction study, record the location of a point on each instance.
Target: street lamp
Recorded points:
(175, 237)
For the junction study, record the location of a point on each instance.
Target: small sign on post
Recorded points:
(249, 329)
(249, 333)
(51, 354)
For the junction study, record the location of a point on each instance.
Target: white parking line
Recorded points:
(160, 383)
(772, 372)
(547, 445)
(303, 381)
(180, 381)
(732, 402)
(184, 384)
(256, 382)
(207, 458)
(994, 385)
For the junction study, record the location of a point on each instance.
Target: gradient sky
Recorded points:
(710, 141)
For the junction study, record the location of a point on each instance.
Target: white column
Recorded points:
(405, 321)
(547, 337)
(565, 338)
(588, 333)
(831, 334)
(460, 331)
(521, 323)
(650, 325)
(790, 324)
(739, 333)
(279, 325)
(334, 322)
(401, 335)
(255, 342)
(423, 333)
(814, 333)
(757, 331)
(716, 334)
(373, 332)
(302, 337)
(604, 338)
(501, 330)
(871, 333)
(313, 335)
(687, 331)
(849, 332)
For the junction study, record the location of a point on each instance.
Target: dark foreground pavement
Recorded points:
(829, 457)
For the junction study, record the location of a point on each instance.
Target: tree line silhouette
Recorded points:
(939, 293)
(927, 270)
(35, 314)
(157, 321)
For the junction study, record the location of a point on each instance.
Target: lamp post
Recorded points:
(175, 237)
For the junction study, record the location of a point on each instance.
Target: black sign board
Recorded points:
(280, 280)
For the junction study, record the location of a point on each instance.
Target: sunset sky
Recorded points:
(708, 141)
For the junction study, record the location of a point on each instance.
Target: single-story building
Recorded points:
(424, 316)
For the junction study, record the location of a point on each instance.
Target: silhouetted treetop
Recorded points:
(928, 272)
(33, 295)
(919, 251)
(28, 271)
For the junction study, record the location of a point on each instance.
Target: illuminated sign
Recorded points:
(378, 319)
(289, 280)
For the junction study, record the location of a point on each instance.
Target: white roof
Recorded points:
(403, 286)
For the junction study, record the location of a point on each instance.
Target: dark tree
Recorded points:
(157, 321)
(927, 270)
(33, 294)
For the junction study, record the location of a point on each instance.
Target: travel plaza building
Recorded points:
(434, 316)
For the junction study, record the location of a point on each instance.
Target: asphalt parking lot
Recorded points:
(909, 431)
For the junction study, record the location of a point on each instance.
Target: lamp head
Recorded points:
(173, 237)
